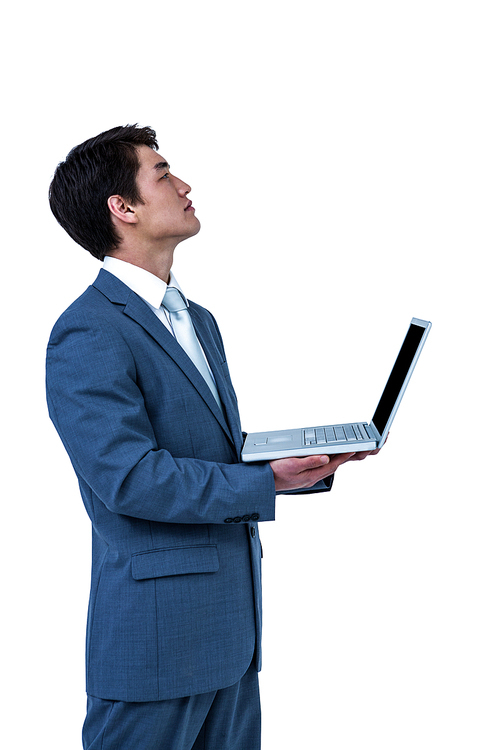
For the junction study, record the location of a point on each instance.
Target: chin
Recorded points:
(196, 228)
(192, 232)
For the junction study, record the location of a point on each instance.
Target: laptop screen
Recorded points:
(397, 376)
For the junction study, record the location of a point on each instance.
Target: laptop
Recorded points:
(350, 437)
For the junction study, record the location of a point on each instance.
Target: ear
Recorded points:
(121, 210)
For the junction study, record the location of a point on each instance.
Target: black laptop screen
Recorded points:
(397, 376)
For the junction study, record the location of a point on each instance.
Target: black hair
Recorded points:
(93, 171)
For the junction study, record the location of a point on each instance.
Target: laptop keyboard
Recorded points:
(339, 433)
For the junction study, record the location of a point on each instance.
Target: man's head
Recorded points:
(95, 171)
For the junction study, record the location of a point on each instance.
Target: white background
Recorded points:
(345, 165)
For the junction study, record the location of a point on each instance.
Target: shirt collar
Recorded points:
(145, 284)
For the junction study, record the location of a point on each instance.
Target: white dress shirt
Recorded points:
(149, 287)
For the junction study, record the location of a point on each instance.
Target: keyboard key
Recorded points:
(365, 432)
(309, 437)
(339, 432)
(320, 436)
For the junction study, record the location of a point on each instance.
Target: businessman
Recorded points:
(139, 391)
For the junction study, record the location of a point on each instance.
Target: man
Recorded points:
(139, 391)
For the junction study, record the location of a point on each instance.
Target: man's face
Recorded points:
(167, 213)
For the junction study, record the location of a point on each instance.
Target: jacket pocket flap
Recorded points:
(175, 561)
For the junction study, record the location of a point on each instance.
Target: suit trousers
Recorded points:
(227, 719)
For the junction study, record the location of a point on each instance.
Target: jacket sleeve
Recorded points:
(97, 407)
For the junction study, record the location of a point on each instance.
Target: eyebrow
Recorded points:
(161, 165)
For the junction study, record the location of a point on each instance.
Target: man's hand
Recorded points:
(298, 473)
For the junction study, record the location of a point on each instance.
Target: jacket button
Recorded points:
(252, 531)
(228, 520)
(255, 516)
(245, 518)
(237, 519)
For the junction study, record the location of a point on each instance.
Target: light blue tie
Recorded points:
(184, 332)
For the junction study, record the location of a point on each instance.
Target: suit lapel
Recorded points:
(134, 307)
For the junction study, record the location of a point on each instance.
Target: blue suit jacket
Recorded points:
(175, 602)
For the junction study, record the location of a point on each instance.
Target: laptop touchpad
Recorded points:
(280, 439)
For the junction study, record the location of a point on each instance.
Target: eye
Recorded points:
(165, 176)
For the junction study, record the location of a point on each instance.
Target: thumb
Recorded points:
(313, 462)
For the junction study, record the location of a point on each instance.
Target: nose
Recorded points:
(182, 187)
